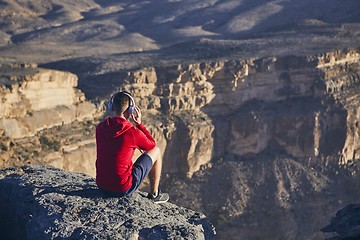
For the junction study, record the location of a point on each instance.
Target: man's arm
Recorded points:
(142, 138)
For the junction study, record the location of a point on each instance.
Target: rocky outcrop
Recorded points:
(48, 203)
(346, 223)
(271, 128)
(45, 119)
(305, 106)
(172, 98)
(34, 99)
(276, 135)
(342, 78)
(254, 93)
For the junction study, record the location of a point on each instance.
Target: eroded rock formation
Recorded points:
(278, 134)
(342, 78)
(35, 104)
(306, 106)
(270, 130)
(48, 203)
(34, 99)
(250, 100)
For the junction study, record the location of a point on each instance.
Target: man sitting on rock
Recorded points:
(116, 141)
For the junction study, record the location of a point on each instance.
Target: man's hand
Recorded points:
(137, 116)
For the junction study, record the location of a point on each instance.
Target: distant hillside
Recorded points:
(97, 28)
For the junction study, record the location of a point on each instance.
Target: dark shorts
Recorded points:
(141, 169)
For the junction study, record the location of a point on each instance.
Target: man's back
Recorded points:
(116, 141)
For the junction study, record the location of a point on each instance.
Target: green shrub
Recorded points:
(50, 144)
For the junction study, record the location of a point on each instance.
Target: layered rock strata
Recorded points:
(305, 106)
(268, 130)
(34, 99)
(173, 98)
(48, 203)
(277, 133)
(341, 73)
(45, 119)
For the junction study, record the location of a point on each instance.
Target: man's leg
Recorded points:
(155, 173)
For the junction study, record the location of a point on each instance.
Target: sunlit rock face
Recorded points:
(173, 97)
(341, 73)
(40, 114)
(279, 136)
(304, 106)
(34, 99)
(286, 102)
(249, 101)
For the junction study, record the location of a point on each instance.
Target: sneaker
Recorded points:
(160, 198)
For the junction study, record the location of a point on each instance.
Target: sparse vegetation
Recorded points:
(49, 143)
(3, 147)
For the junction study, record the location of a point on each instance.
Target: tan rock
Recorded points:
(34, 99)
(251, 106)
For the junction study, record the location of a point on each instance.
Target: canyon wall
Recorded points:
(34, 99)
(342, 78)
(262, 134)
(305, 106)
(40, 112)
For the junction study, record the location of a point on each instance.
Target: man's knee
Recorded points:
(155, 154)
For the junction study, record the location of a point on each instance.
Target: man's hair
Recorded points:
(121, 102)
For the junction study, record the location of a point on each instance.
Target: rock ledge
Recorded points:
(346, 223)
(38, 202)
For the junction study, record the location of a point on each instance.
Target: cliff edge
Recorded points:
(346, 223)
(39, 202)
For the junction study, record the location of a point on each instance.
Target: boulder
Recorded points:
(346, 223)
(41, 202)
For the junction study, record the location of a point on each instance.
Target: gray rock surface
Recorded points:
(346, 223)
(38, 202)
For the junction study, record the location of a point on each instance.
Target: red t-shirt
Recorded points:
(116, 141)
